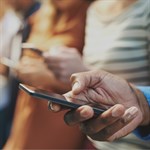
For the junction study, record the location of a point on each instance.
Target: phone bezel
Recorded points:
(48, 97)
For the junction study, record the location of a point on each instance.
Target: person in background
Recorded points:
(9, 26)
(127, 106)
(34, 127)
(11, 36)
(24, 9)
(118, 41)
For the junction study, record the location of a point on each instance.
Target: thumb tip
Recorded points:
(76, 88)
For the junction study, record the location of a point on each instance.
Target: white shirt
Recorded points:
(121, 45)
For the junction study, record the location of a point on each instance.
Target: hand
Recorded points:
(127, 107)
(65, 62)
(33, 72)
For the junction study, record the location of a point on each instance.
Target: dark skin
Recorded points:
(126, 106)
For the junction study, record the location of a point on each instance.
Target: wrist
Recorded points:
(144, 107)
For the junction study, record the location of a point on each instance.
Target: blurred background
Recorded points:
(13, 19)
(43, 42)
(26, 123)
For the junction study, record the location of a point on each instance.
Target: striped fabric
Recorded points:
(121, 45)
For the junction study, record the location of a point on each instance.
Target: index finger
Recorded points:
(81, 81)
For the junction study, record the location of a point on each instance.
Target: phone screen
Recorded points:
(59, 99)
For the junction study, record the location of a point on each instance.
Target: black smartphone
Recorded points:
(58, 99)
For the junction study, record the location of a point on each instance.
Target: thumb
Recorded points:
(76, 88)
(79, 83)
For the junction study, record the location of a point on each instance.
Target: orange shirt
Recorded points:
(35, 127)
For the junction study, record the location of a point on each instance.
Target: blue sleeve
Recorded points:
(138, 132)
(146, 91)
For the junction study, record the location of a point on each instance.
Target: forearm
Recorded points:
(143, 132)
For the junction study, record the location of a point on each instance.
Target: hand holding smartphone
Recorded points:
(58, 99)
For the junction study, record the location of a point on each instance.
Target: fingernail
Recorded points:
(132, 112)
(56, 108)
(116, 112)
(50, 106)
(84, 113)
(75, 86)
